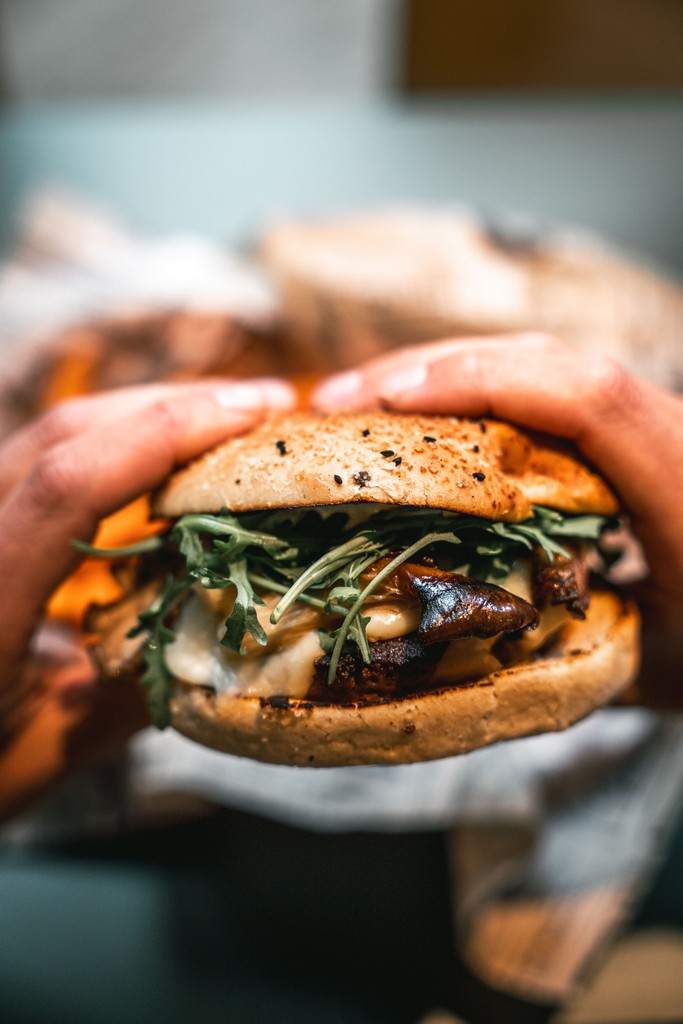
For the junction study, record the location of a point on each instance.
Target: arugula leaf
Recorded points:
(156, 676)
(531, 536)
(281, 588)
(239, 538)
(339, 597)
(586, 527)
(243, 618)
(141, 547)
(189, 544)
(325, 570)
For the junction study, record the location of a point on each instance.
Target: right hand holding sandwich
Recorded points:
(629, 429)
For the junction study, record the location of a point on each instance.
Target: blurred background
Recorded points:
(245, 186)
(217, 116)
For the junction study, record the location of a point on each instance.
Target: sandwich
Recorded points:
(373, 588)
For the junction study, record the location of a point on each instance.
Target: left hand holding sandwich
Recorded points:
(631, 431)
(52, 490)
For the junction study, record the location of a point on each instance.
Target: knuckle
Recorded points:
(54, 479)
(474, 366)
(166, 422)
(166, 426)
(612, 391)
(59, 423)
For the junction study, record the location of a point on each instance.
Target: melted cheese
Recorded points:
(285, 664)
(197, 656)
(391, 619)
(518, 582)
(287, 672)
(470, 658)
(551, 619)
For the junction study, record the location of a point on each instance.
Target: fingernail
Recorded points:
(276, 393)
(256, 394)
(239, 396)
(397, 387)
(341, 391)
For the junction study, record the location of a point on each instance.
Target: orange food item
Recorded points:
(93, 582)
(74, 373)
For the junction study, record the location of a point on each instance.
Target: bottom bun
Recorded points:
(589, 662)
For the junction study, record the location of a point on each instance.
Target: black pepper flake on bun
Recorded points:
(366, 432)
(479, 476)
(276, 701)
(475, 448)
(338, 479)
(361, 478)
(281, 447)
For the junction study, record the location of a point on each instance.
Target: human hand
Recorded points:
(59, 477)
(629, 429)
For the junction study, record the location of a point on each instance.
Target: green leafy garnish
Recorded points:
(156, 676)
(319, 561)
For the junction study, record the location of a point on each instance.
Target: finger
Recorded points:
(70, 418)
(75, 483)
(361, 388)
(534, 380)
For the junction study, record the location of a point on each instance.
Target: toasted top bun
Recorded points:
(477, 467)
